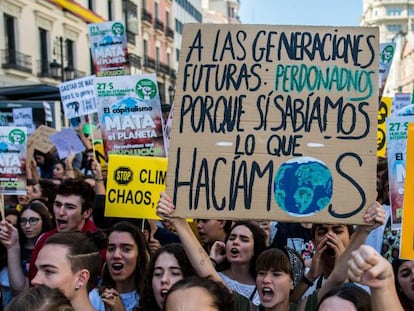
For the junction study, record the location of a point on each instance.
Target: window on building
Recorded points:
(393, 11)
(410, 11)
(145, 49)
(178, 26)
(167, 19)
(70, 53)
(156, 10)
(177, 54)
(44, 56)
(110, 10)
(169, 60)
(144, 4)
(10, 38)
(157, 57)
(91, 5)
(394, 27)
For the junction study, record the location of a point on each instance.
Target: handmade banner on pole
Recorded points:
(13, 160)
(78, 97)
(275, 122)
(134, 185)
(109, 48)
(130, 115)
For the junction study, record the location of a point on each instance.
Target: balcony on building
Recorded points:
(159, 25)
(131, 37)
(146, 17)
(12, 59)
(169, 33)
(149, 63)
(134, 60)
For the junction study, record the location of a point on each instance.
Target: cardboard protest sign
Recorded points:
(23, 117)
(109, 48)
(396, 155)
(383, 113)
(78, 97)
(134, 185)
(275, 122)
(67, 141)
(407, 233)
(130, 115)
(385, 60)
(13, 160)
(40, 140)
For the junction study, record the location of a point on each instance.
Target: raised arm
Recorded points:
(368, 267)
(9, 237)
(195, 252)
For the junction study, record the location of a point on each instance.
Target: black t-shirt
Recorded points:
(295, 236)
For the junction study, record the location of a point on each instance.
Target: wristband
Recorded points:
(307, 281)
(99, 179)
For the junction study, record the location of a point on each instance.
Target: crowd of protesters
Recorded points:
(59, 252)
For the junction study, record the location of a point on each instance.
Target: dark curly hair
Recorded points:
(147, 301)
(77, 186)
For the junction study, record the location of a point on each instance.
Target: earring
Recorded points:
(77, 287)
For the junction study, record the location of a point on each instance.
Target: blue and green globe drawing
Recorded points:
(303, 186)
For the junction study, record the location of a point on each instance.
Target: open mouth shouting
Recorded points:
(164, 293)
(267, 294)
(61, 224)
(117, 268)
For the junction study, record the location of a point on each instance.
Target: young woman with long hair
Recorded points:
(127, 258)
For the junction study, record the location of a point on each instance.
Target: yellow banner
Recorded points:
(134, 185)
(407, 233)
(384, 111)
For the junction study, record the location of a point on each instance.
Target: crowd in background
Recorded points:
(59, 252)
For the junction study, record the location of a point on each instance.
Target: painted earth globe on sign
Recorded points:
(303, 186)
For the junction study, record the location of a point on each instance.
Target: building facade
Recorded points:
(158, 44)
(395, 21)
(46, 41)
(221, 11)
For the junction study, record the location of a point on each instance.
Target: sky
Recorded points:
(301, 12)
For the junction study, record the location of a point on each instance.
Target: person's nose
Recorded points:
(27, 224)
(61, 211)
(117, 253)
(266, 278)
(37, 280)
(165, 279)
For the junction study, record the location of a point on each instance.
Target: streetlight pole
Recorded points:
(62, 77)
(55, 66)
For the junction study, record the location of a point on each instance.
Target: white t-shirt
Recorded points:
(243, 289)
(129, 300)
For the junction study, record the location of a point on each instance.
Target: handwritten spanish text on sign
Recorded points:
(275, 122)
(134, 185)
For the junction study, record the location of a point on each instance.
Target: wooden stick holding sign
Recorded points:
(3, 213)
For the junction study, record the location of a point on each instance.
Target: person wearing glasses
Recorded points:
(71, 208)
(33, 220)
